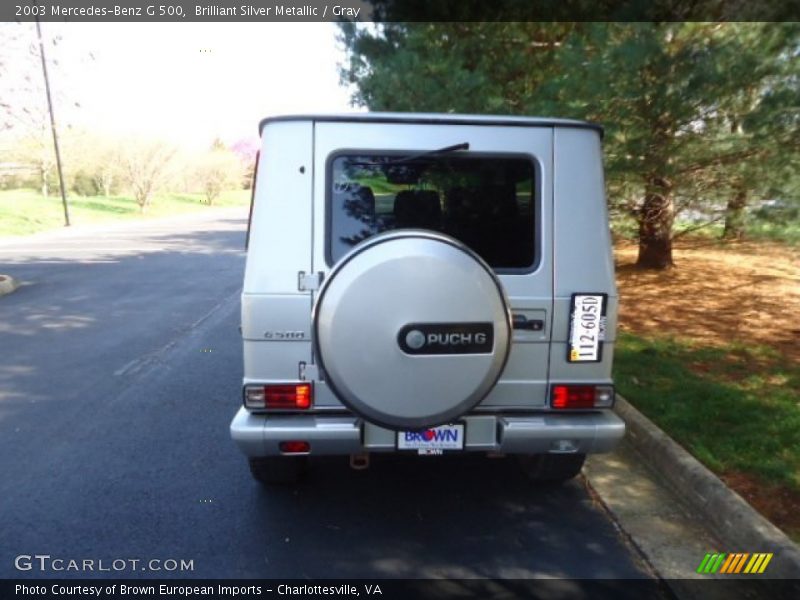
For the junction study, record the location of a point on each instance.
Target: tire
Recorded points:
(278, 470)
(551, 468)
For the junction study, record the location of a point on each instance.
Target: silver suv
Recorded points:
(427, 284)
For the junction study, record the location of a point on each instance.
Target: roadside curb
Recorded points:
(727, 514)
(7, 284)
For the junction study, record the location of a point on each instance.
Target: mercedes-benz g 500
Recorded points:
(427, 284)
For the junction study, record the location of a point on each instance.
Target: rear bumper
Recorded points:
(586, 433)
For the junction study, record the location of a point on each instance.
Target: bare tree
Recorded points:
(146, 167)
(101, 161)
(23, 103)
(24, 113)
(35, 151)
(218, 170)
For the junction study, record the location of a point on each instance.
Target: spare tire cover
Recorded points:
(411, 329)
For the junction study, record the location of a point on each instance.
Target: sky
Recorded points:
(192, 82)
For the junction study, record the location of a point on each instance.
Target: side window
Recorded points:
(485, 201)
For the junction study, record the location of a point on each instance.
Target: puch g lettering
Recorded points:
(455, 339)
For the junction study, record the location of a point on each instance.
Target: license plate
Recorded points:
(587, 328)
(433, 440)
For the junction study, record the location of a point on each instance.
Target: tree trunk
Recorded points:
(655, 227)
(735, 216)
(44, 182)
(104, 181)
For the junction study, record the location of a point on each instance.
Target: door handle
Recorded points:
(526, 324)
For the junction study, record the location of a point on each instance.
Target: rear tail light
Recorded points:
(283, 396)
(294, 447)
(582, 396)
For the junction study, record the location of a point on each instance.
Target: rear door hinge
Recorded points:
(307, 282)
(308, 372)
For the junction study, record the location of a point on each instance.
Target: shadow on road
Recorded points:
(460, 517)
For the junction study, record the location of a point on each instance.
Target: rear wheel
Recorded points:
(551, 468)
(278, 470)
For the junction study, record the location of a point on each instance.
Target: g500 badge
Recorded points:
(587, 327)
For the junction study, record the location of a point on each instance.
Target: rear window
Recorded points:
(485, 201)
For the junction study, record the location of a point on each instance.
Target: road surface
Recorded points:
(120, 370)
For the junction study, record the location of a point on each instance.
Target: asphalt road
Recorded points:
(120, 370)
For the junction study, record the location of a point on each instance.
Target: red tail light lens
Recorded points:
(295, 447)
(582, 396)
(573, 396)
(289, 396)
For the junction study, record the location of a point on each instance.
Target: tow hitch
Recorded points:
(359, 462)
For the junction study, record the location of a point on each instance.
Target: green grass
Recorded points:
(788, 232)
(737, 409)
(23, 212)
(756, 230)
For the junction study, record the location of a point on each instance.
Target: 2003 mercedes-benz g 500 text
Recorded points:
(427, 284)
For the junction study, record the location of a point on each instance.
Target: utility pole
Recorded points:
(53, 123)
